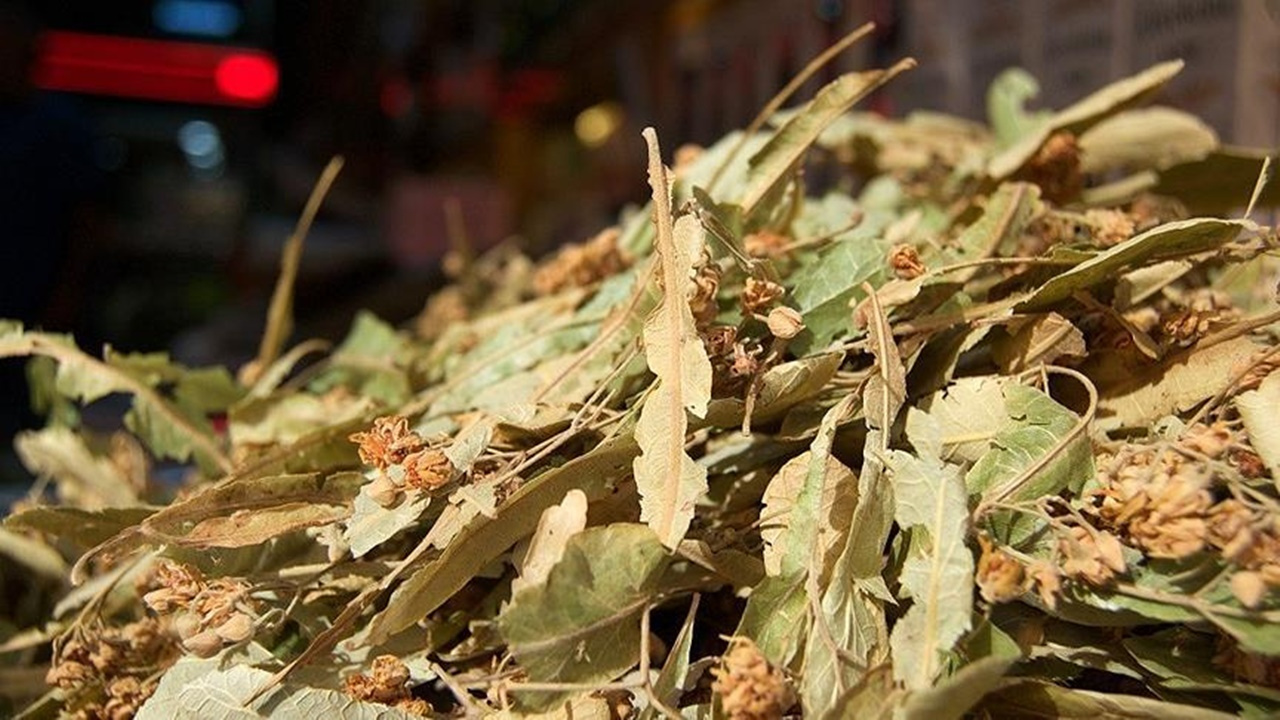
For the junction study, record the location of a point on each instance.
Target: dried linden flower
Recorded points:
(1249, 588)
(384, 491)
(703, 303)
(582, 265)
(999, 576)
(1110, 227)
(1093, 556)
(760, 294)
(387, 443)
(427, 470)
(1056, 168)
(905, 262)
(386, 683)
(750, 688)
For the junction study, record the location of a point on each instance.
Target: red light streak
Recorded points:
(156, 70)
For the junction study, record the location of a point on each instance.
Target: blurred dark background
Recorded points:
(155, 154)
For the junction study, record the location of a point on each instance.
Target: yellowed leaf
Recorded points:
(669, 481)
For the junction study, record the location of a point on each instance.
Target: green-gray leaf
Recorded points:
(582, 626)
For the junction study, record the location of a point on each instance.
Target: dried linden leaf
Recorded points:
(670, 482)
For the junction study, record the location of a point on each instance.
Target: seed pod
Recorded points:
(1249, 588)
(237, 628)
(784, 323)
(203, 644)
(186, 624)
(383, 491)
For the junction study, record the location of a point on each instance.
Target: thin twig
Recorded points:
(463, 697)
(280, 312)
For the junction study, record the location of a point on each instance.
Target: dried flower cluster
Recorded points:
(750, 688)
(390, 443)
(206, 614)
(1000, 577)
(1164, 502)
(110, 670)
(387, 683)
(582, 265)
(706, 284)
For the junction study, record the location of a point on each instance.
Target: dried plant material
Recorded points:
(1062, 414)
(1055, 168)
(387, 443)
(999, 577)
(1093, 556)
(765, 244)
(905, 262)
(1046, 580)
(582, 624)
(1041, 339)
(772, 164)
(706, 283)
(838, 497)
(1083, 114)
(582, 265)
(558, 524)
(749, 688)
(1110, 227)
(1258, 410)
(1249, 587)
(938, 573)
(668, 479)
(427, 470)
(386, 682)
(784, 323)
(758, 295)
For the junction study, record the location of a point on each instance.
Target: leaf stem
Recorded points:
(816, 64)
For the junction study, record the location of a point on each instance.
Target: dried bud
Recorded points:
(383, 491)
(1056, 168)
(905, 261)
(385, 683)
(237, 628)
(204, 644)
(719, 340)
(1212, 440)
(744, 362)
(703, 305)
(784, 323)
(186, 624)
(1093, 556)
(427, 470)
(1110, 227)
(1047, 582)
(760, 294)
(582, 264)
(389, 671)
(1249, 588)
(999, 576)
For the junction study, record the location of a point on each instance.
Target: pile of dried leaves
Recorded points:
(986, 425)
